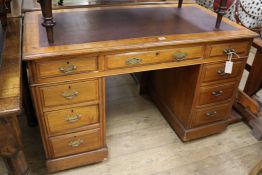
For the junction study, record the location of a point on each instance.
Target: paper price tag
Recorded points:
(229, 67)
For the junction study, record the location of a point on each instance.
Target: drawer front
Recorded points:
(241, 48)
(69, 93)
(213, 72)
(211, 94)
(152, 57)
(76, 143)
(66, 66)
(65, 120)
(211, 114)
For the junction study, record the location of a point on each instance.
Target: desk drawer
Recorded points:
(69, 93)
(152, 57)
(241, 48)
(217, 93)
(76, 142)
(210, 114)
(213, 72)
(62, 121)
(66, 66)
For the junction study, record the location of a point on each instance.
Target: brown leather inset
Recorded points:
(114, 24)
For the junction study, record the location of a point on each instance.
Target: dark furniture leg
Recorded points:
(60, 2)
(221, 12)
(11, 146)
(27, 99)
(3, 12)
(8, 6)
(48, 23)
(180, 2)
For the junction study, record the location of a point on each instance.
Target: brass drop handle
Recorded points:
(221, 72)
(180, 56)
(210, 114)
(76, 143)
(68, 69)
(230, 51)
(133, 61)
(73, 118)
(70, 94)
(217, 93)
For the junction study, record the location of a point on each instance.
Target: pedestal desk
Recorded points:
(181, 48)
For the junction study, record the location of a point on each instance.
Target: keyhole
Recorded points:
(69, 87)
(72, 111)
(67, 62)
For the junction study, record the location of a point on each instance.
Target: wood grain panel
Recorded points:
(214, 72)
(66, 66)
(76, 142)
(216, 93)
(69, 93)
(210, 114)
(66, 120)
(151, 57)
(241, 48)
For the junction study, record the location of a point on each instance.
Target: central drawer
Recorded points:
(217, 93)
(151, 57)
(69, 93)
(62, 121)
(76, 142)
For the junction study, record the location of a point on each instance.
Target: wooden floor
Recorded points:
(141, 142)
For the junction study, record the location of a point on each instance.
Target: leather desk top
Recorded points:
(126, 27)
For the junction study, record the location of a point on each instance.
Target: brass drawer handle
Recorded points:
(76, 143)
(210, 114)
(217, 93)
(133, 61)
(221, 72)
(70, 94)
(73, 118)
(67, 69)
(180, 56)
(230, 51)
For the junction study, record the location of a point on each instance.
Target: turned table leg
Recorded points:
(48, 23)
(221, 12)
(180, 2)
(11, 146)
(3, 12)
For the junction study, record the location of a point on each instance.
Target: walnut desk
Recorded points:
(182, 46)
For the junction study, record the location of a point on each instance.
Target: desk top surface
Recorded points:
(10, 75)
(112, 28)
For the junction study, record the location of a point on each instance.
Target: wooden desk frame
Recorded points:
(193, 54)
